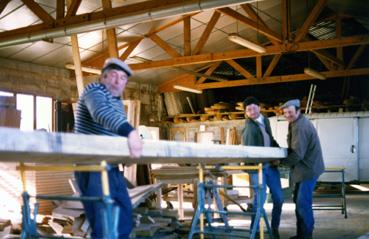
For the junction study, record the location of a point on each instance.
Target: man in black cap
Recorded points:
(100, 111)
(306, 162)
(257, 132)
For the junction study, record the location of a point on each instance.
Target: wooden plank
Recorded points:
(356, 56)
(164, 45)
(254, 16)
(205, 35)
(208, 72)
(310, 20)
(67, 148)
(77, 64)
(187, 36)
(39, 12)
(110, 33)
(239, 68)
(254, 25)
(272, 65)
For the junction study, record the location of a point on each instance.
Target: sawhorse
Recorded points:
(204, 193)
(110, 212)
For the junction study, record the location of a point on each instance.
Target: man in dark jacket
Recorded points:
(257, 132)
(306, 162)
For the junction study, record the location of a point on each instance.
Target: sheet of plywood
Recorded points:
(67, 148)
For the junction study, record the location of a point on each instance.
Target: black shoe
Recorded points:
(275, 234)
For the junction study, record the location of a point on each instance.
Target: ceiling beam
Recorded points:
(356, 56)
(3, 5)
(339, 50)
(205, 35)
(187, 36)
(73, 8)
(60, 9)
(272, 65)
(301, 33)
(39, 12)
(259, 67)
(118, 16)
(255, 16)
(252, 24)
(130, 49)
(240, 69)
(164, 45)
(208, 72)
(282, 79)
(246, 53)
(110, 33)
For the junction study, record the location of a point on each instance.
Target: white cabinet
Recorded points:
(364, 149)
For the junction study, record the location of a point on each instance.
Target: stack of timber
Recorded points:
(9, 115)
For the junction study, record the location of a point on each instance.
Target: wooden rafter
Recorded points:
(164, 45)
(3, 5)
(310, 20)
(254, 16)
(246, 53)
(239, 68)
(73, 8)
(286, 19)
(356, 56)
(325, 55)
(130, 48)
(39, 12)
(281, 79)
(60, 9)
(324, 61)
(272, 65)
(77, 63)
(187, 36)
(110, 33)
(259, 66)
(209, 72)
(253, 24)
(205, 35)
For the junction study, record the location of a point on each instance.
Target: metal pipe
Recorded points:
(109, 22)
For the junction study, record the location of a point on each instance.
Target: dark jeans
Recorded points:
(303, 199)
(90, 185)
(272, 179)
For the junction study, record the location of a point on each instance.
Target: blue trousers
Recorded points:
(89, 184)
(272, 179)
(303, 198)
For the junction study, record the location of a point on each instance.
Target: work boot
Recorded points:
(275, 233)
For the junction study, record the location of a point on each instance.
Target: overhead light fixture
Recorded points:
(314, 73)
(188, 89)
(234, 37)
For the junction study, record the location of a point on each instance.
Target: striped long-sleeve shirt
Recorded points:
(98, 112)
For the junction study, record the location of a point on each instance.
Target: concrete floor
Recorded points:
(332, 224)
(328, 224)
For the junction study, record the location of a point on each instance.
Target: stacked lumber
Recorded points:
(9, 115)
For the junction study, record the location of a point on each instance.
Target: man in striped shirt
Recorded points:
(100, 112)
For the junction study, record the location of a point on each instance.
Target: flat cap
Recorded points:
(117, 64)
(294, 102)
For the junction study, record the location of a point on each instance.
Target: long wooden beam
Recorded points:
(253, 24)
(356, 56)
(187, 36)
(164, 45)
(130, 49)
(205, 35)
(239, 68)
(147, 10)
(282, 79)
(63, 148)
(39, 12)
(110, 33)
(60, 9)
(246, 53)
(73, 8)
(272, 65)
(286, 19)
(310, 20)
(209, 72)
